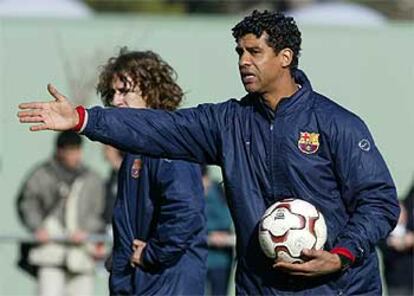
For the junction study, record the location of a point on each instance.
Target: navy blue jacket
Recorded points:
(161, 202)
(265, 157)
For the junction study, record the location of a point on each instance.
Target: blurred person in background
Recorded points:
(398, 252)
(63, 199)
(409, 205)
(114, 158)
(159, 225)
(221, 239)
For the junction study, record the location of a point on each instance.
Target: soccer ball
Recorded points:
(289, 226)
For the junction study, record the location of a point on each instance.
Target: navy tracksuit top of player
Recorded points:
(160, 202)
(309, 147)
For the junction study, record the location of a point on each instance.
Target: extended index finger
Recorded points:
(32, 105)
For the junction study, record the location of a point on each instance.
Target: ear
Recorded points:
(286, 57)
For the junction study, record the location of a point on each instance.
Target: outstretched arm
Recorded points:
(191, 134)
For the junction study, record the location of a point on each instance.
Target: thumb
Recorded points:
(137, 243)
(55, 93)
(309, 253)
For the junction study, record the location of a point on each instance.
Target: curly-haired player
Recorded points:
(145, 69)
(282, 139)
(157, 198)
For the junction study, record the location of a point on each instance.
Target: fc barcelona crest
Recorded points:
(308, 142)
(136, 168)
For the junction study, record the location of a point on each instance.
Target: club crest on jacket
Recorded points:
(136, 168)
(308, 142)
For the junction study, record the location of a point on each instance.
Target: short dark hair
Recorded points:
(155, 78)
(282, 31)
(68, 139)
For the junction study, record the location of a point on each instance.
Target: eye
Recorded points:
(124, 90)
(109, 94)
(239, 51)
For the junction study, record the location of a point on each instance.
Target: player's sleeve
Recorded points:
(192, 134)
(367, 189)
(181, 219)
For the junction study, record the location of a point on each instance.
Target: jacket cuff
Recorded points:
(148, 259)
(345, 255)
(344, 252)
(83, 118)
(352, 249)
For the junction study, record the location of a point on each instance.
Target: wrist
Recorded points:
(142, 262)
(345, 256)
(79, 118)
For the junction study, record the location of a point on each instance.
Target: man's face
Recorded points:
(70, 157)
(127, 94)
(259, 65)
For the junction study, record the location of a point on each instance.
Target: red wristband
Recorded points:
(81, 113)
(344, 252)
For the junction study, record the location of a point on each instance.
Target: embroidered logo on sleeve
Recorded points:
(136, 168)
(308, 142)
(365, 145)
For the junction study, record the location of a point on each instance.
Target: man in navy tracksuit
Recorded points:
(281, 140)
(160, 231)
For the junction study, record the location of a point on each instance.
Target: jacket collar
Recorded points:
(289, 104)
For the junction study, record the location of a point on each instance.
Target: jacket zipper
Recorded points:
(128, 217)
(271, 159)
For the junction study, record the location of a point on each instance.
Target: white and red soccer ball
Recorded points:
(289, 226)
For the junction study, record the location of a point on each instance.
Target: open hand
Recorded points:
(58, 115)
(317, 263)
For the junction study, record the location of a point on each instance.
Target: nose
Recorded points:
(244, 60)
(118, 100)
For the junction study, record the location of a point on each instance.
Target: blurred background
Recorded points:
(357, 52)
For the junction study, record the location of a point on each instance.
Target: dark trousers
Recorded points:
(218, 281)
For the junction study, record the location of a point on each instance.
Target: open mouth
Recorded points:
(248, 77)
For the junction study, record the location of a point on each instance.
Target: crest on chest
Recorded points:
(308, 142)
